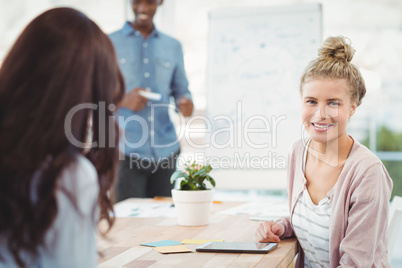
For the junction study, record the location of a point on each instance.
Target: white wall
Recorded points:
(16, 14)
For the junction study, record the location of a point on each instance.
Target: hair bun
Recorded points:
(337, 48)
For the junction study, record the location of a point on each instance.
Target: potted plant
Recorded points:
(193, 199)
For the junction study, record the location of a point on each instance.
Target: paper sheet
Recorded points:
(173, 249)
(145, 210)
(262, 210)
(162, 243)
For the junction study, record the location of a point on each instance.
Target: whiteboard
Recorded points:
(255, 60)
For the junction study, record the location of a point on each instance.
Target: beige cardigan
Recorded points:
(359, 202)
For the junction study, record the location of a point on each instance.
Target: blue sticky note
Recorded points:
(163, 243)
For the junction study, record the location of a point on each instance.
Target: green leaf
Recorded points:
(211, 180)
(208, 168)
(178, 174)
(201, 172)
(184, 185)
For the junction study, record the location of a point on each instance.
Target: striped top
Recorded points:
(311, 225)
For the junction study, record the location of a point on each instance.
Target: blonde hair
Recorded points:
(333, 62)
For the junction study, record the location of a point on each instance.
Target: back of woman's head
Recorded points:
(61, 59)
(333, 62)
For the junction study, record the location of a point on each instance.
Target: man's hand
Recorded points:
(269, 231)
(186, 106)
(133, 100)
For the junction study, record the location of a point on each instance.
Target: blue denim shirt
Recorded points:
(155, 63)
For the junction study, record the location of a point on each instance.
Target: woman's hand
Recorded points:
(269, 231)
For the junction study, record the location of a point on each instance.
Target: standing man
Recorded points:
(151, 62)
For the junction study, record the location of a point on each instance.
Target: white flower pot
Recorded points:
(193, 207)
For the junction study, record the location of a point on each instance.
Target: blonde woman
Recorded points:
(338, 190)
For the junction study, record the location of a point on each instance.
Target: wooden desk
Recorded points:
(121, 247)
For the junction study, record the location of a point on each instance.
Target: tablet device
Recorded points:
(237, 247)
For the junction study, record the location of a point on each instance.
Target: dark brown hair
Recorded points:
(333, 62)
(61, 59)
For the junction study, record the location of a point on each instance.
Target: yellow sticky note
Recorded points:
(200, 241)
(173, 249)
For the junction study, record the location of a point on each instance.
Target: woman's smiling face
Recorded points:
(326, 109)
